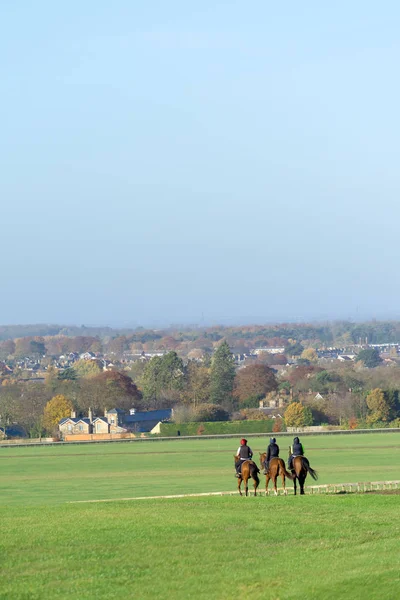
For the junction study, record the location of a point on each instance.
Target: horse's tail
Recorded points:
(285, 472)
(306, 465)
(254, 471)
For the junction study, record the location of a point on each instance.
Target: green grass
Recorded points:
(86, 472)
(215, 548)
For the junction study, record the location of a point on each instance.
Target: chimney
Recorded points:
(73, 414)
(90, 415)
(105, 412)
(132, 411)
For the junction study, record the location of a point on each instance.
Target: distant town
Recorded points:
(63, 382)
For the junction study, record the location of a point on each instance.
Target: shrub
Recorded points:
(352, 423)
(278, 425)
(218, 428)
(210, 412)
(253, 414)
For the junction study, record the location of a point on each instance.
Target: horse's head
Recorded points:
(236, 457)
(263, 456)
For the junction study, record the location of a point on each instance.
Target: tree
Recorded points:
(86, 368)
(163, 375)
(210, 412)
(222, 376)
(68, 374)
(369, 357)
(56, 409)
(197, 388)
(380, 409)
(296, 415)
(294, 349)
(7, 348)
(254, 381)
(30, 407)
(310, 354)
(110, 389)
(29, 347)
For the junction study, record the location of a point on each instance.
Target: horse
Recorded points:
(276, 467)
(249, 469)
(300, 468)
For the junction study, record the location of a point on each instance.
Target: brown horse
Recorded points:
(300, 469)
(249, 469)
(276, 467)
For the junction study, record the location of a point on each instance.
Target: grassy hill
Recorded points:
(215, 548)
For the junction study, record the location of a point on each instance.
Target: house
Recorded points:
(87, 356)
(144, 421)
(70, 425)
(114, 421)
(101, 425)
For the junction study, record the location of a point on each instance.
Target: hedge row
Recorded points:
(217, 428)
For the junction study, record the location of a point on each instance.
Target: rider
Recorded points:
(296, 450)
(244, 452)
(272, 452)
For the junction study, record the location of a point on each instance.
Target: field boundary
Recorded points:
(329, 488)
(200, 437)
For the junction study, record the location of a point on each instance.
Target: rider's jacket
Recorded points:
(297, 449)
(245, 452)
(272, 451)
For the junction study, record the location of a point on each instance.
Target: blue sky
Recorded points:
(175, 162)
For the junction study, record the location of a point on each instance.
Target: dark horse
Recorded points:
(276, 467)
(300, 468)
(249, 469)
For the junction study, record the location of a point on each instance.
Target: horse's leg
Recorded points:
(284, 483)
(267, 478)
(275, 477)
(246, 486)
(301, 481)
(294, 484)
(239, 484)
(255, 486)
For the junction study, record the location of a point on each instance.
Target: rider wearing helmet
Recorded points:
(296, 450)
(272, 452)
(244, 452)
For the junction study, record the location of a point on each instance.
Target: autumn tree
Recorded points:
(117, 345)
(87, 368)
(222, 376)
(7, 348)
(197, 383)
(310, 354)
(380, 408)
(109, 389)
(210, 412)
(29, 347)
(297, 415)
(254, 382)
(56, 409)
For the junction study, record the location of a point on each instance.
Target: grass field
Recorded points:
(344, 546)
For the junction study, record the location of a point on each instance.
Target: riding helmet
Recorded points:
(243, 442)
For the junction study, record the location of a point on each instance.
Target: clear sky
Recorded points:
(188, 162)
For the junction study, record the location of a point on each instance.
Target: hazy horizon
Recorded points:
(166, 163)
